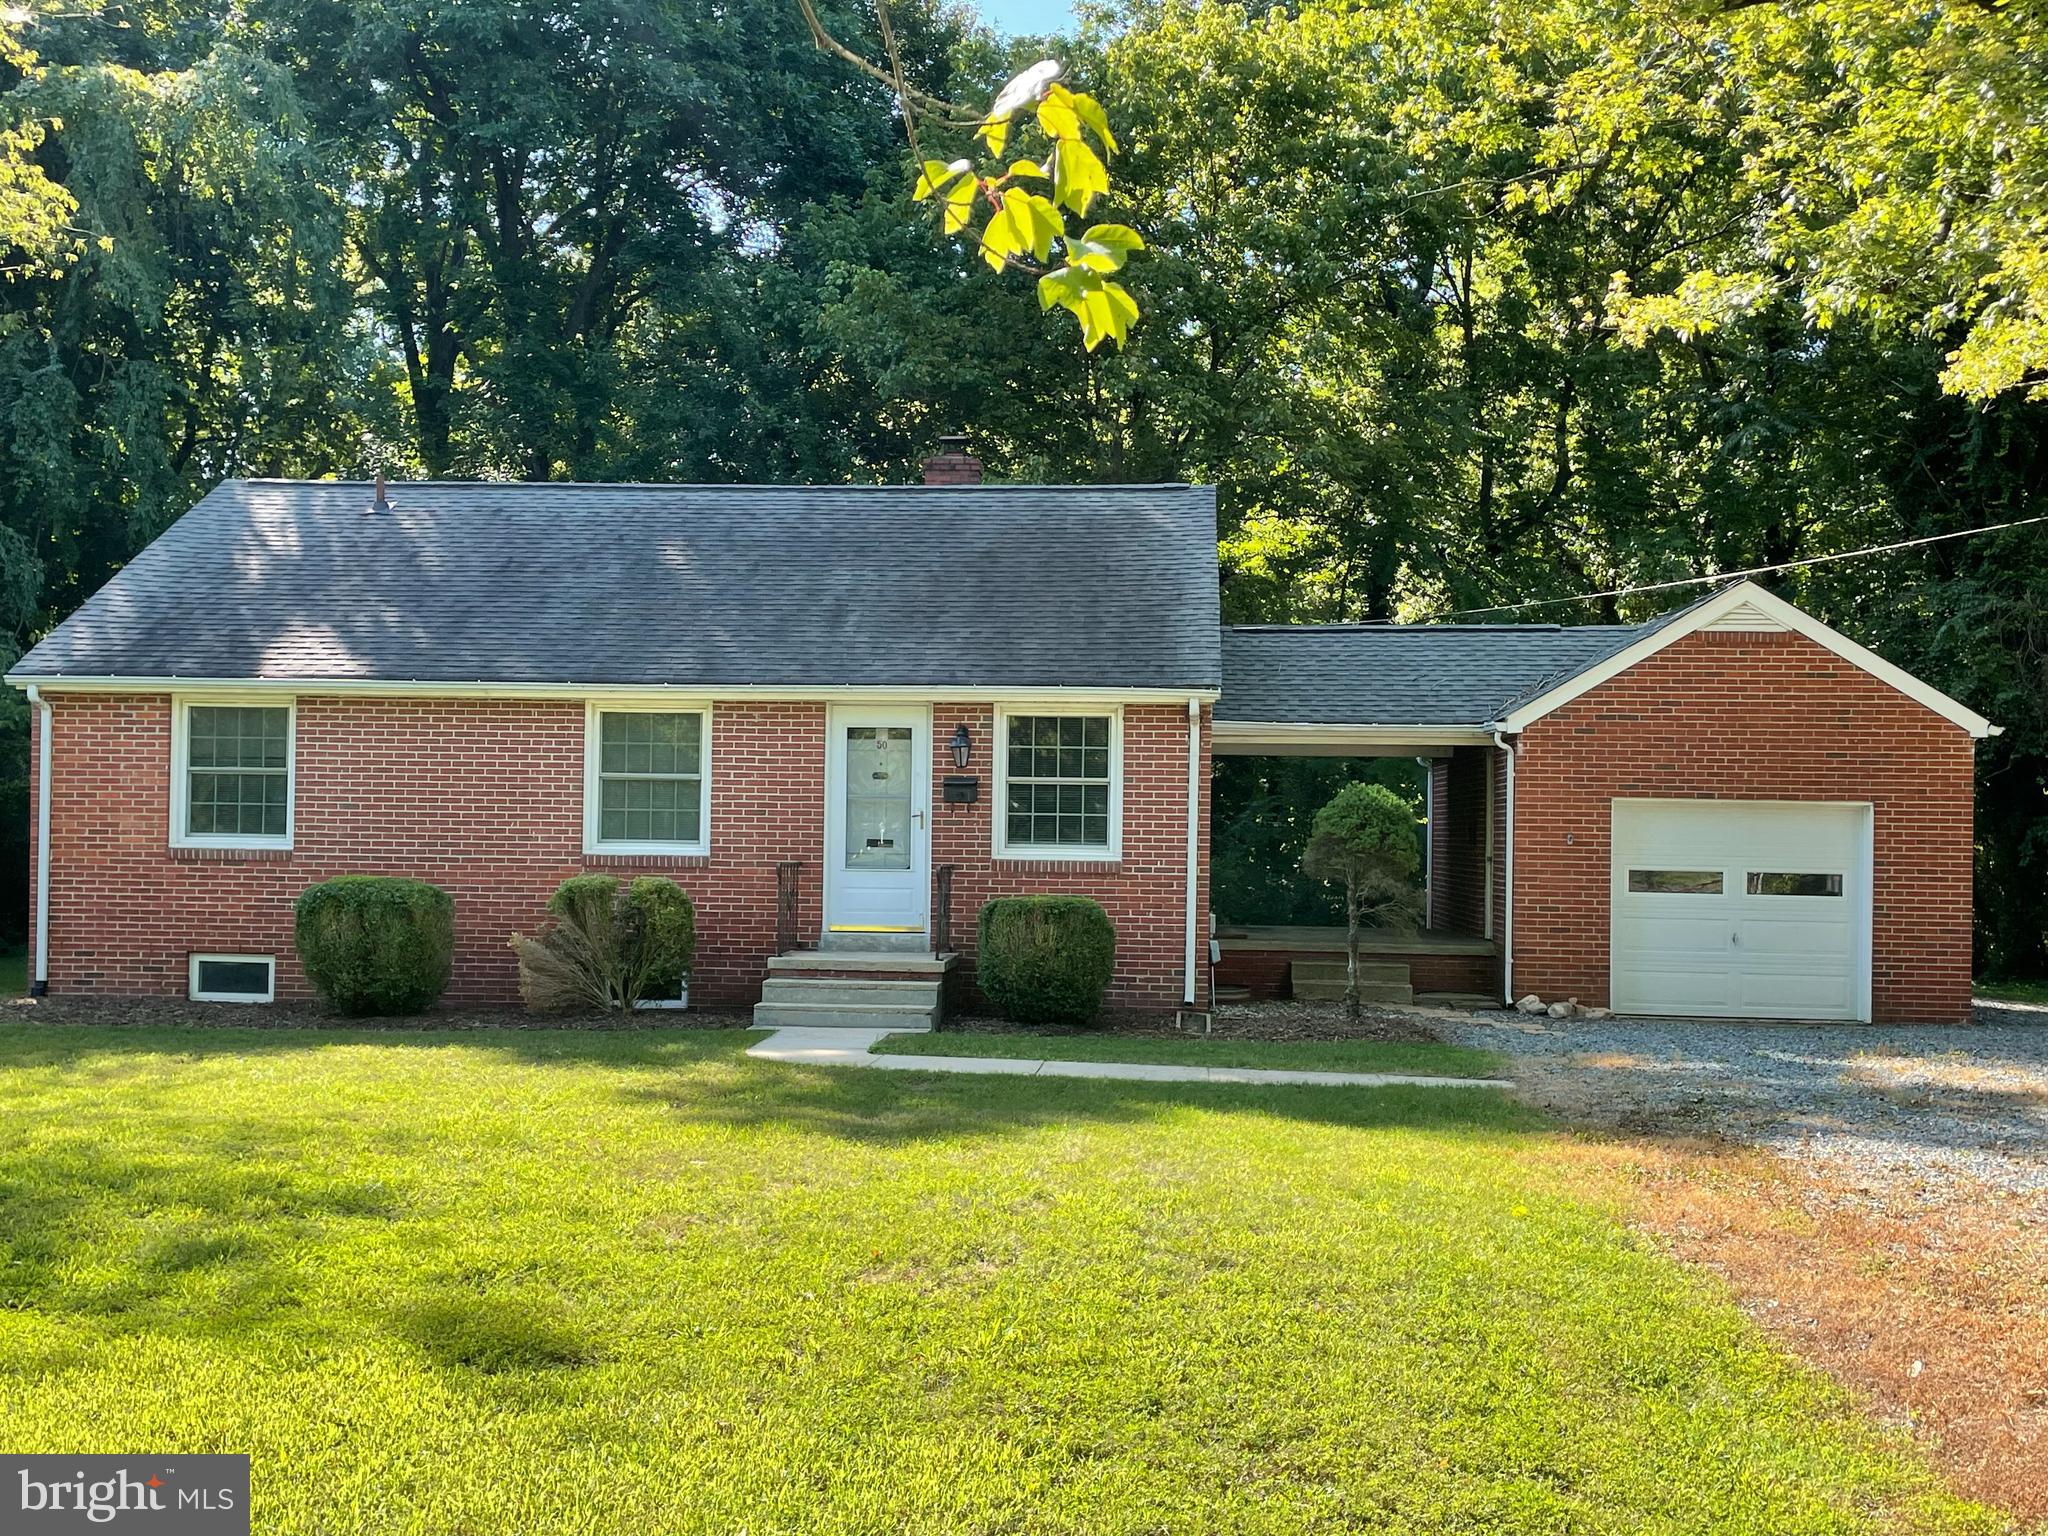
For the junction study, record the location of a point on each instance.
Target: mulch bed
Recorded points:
(1234, 1021)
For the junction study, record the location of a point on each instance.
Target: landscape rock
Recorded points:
(1596, 1013)
(1561, 1010)
(1531, 1004)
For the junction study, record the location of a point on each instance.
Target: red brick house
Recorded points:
(844, 718)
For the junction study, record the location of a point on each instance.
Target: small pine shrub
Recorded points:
(609, 945)
(376, 944)
(1045, 959)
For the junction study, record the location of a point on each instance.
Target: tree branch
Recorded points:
(908, 94)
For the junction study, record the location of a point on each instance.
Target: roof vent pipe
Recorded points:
(378, 503)
(952, 464)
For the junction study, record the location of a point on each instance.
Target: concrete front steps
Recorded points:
(1379, 981)
(894, 990)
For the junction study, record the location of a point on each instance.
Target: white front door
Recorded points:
(877, 800)
(1741, 908)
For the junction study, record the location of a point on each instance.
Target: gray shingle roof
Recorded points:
(1405, 674)
(899, 586)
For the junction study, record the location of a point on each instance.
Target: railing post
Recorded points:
(942, 908)
(787, 886)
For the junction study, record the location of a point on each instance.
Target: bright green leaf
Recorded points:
(1063, 287)
(1056, 114)
(1047, 225)
(1078, 175)
(1003, 237)
(1118, 237)
(1089, 110)
(937, 173)
(960, 203)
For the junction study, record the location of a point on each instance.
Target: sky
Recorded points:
(1026, 17)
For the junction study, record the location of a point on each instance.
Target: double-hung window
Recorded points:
(1060, 793)
(231, 774)
(647, 784)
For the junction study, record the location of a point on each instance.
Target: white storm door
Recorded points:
(1741, 909)
(877, 799)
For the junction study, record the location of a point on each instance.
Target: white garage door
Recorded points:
(1741, 908)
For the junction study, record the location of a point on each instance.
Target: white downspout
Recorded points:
(1187, 993)
(1507, 905)
(44, 728)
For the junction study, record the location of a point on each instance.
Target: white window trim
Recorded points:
(592, 710)
(193, 962)
(182, 705)
(999, 808)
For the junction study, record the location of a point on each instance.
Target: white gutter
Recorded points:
(1507, 906)
(44, 728)
(1187, 995)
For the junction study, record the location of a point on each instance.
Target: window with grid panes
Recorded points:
(1056, 781)
(237, 771)
(650, 777)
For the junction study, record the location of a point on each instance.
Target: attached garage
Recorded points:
(1730, 810)
(1741, 909)
(1741, 813)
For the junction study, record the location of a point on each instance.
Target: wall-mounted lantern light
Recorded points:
(963, 746)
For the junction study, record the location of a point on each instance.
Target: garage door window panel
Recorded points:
(1774, 883)
(1675, 882)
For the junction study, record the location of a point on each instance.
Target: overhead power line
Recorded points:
(1755, 570)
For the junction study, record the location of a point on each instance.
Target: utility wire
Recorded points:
(1755, 570)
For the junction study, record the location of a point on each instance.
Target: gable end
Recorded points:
(1744, 607)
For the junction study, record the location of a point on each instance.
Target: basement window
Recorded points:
(232, 978)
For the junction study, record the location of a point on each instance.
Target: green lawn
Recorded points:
(2013, 991)
(636, 1283)
(1425, 1059)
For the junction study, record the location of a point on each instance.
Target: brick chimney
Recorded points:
(952, 464)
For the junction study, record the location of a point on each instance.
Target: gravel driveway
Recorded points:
(1923, 1106)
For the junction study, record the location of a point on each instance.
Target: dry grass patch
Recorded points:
(1610, 1061)
(1932, 1305)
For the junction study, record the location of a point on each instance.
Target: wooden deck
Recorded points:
(1259, 958)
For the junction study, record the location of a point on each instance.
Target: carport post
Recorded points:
(1507, 904)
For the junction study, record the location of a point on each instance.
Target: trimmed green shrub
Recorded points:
(609, 946)
(1045, 959)
(1367, 840)
(376, 944)
(667, 922)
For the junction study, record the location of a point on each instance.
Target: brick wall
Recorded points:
(1145, 892)
(1458, 840)
(1749, 717)
(485, 798)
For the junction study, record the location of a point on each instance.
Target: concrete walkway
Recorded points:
(850, 1048)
